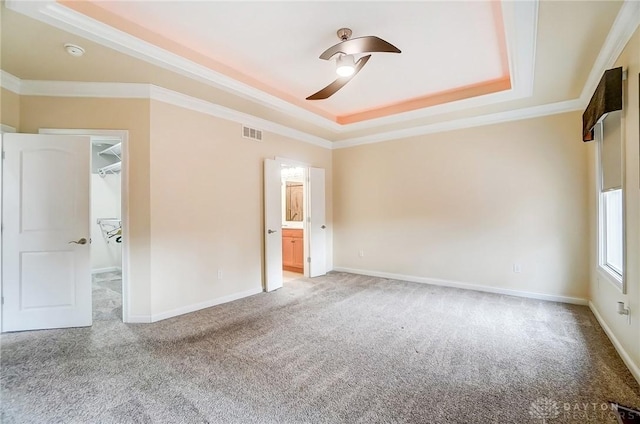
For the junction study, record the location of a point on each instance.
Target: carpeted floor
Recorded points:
(337, 349)
(107, 296)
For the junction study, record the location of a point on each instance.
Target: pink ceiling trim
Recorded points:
(460, 93)
(92, 9)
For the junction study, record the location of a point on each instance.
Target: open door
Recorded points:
(45, 239)
(317, 224)
(272, 225)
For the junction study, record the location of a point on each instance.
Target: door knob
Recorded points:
(81, 241)
(271, 231)
(323, 227)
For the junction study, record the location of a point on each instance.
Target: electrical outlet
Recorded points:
(219, 274)
(361, 253)
(517, 268)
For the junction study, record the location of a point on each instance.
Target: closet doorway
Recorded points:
(106, 227)
(108, 221)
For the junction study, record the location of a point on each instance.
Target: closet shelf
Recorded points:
(111, 229)
(115, 150)
(110, 169)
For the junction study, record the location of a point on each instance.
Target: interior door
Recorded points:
(45, 239)
(317, 224)
(272, 224)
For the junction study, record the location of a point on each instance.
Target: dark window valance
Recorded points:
(607, 98)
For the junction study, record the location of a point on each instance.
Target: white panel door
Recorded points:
(45, 240)
(317, 224)
(272, 224)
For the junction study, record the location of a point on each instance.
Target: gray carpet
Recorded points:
(107, 296)
(336, 349)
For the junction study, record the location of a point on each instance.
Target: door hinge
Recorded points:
(2, 302)
(308, 259)
(3, 154)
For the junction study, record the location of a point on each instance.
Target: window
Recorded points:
(612, 231)
(610, 197)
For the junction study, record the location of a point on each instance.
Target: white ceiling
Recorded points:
(445, 45)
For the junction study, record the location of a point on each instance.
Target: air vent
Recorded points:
(251, 133)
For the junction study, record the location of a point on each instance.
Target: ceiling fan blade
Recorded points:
(331, 89)
(368, 44)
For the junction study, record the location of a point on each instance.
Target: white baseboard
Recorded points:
(466, 286)
(107, 269)
(202, 305)
(138, 319)
(633, 367)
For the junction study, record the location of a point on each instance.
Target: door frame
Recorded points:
(3, 129)
(307, 202)
(124, 201)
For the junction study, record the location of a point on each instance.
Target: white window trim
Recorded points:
(604, 272)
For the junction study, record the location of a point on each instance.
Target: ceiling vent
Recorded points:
(251, 133)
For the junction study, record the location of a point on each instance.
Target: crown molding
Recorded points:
(85, 89)
(212, 109)
(10, 82)
(621, 31)
(149, 91)
(476, 121)
(153, 92)
(520, 22)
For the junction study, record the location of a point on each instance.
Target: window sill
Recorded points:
(612, 278)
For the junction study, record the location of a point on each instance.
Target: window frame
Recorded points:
(605, 271)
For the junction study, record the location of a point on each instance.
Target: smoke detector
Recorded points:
(74, 50)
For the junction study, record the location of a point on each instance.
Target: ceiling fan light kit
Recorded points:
(346, 66)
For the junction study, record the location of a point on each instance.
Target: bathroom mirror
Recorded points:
(293, 201)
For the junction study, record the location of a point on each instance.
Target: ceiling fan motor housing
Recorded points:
(344, 34)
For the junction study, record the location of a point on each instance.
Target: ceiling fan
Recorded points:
(346, 66)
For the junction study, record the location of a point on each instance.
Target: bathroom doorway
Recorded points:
(293, 228)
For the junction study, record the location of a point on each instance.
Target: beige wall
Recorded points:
(605, 295)
(466, 205)
(129, 114)
(207, 205)
(195, 195)
(9, 108)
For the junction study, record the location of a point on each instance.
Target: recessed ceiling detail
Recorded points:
(467, 38)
